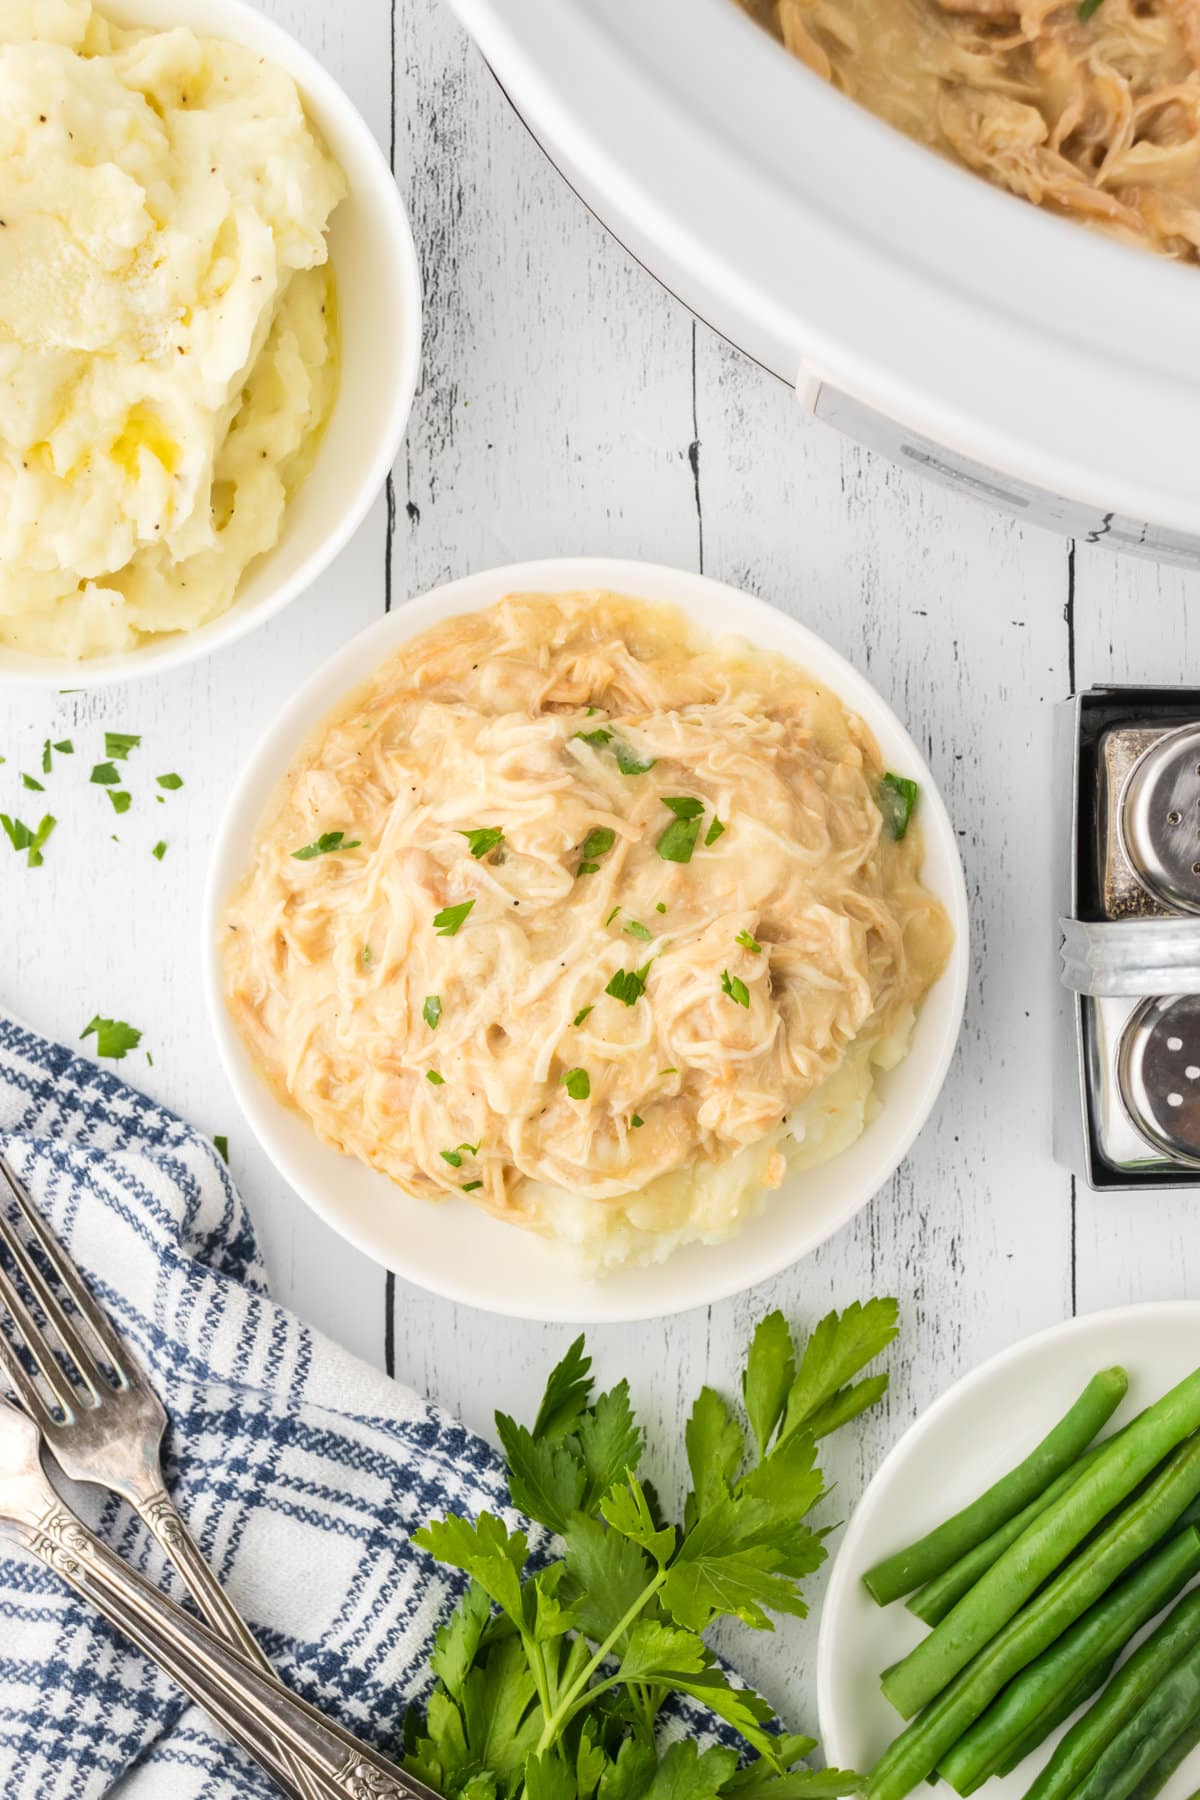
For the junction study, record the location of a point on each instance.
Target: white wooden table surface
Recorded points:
(567, 405)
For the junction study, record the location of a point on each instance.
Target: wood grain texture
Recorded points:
(567, 405)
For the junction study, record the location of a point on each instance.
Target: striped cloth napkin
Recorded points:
(301, 1470)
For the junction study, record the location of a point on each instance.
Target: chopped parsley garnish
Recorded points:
(159, 850)
(447, 922)
(31, 781)
(636, 1122)
(46, 757)
(748, 943)
(896, 797)
(106, 774)
(437, 1080)
(1087, 8)
(597, 739)
(661, 907)
(679, 839)
(629, 762)
(454, 1157)
(663, 1072)
(582, 1014)
(469, 1186)
(485, 838)
(612, 915)
(113, 1036)
(325, 845)
(221, 1146)
(636, 929)
(735, 988)
(715, 830)
(598, 842)
(65, 747)
(21, 837)
(169, 781)
(120, 743)
(577, 1083)
(121, 799)
(431, 1012)
(628, 985)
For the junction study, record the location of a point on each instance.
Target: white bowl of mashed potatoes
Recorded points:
(209, 330)
(566, 952)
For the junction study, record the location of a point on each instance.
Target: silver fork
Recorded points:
(286, 1736)
(106, 1427)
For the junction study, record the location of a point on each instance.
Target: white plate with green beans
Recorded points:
(1014, 1607)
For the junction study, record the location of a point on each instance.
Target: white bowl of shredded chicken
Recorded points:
(209, 330)
(579, 957)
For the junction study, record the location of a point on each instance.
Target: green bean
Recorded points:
(935, 1599)
(1017, 1575)
(1155, 1779)
(1049, 1721)
(1146, 1738)
(899, 1574)
(1139, 1678)
(1030, 1704)
(919, 1749)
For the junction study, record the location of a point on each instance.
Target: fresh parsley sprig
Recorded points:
(551, 1675)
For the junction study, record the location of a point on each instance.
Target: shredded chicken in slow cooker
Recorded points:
(582, 915)
(1090, 109)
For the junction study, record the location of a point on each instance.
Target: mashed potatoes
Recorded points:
(584, 916)
(166, 323)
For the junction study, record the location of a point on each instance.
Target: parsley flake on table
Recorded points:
(65, 747)
(896, 797)
(715, 830)
(120, 743)
(735, 987)
(552, 1673)
(447, 922)
(46, 756)
(598, 842)
(221, 1145)
(22, 837)
(485, 838)
(678, 841)
(113, 1037)
(636, 929)
(105, 774)
(748, 943)
(577, 1083)
(159, 850)
(326, 845)
(31, 781)
(121, 799)
(431, 1012)
(628, 985)
(582, 1014)
(169, 781)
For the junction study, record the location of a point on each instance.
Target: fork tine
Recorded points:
(18, 1379)
(72, 1281)
(80, 1351)
(34, 1339)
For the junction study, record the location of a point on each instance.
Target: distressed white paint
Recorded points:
(561, 397)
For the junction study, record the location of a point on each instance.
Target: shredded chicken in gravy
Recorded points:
(1090, 109)
(581, 914)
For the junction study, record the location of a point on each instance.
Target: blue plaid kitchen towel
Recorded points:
(301, 1470)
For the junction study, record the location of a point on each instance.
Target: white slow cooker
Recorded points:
(1015, 355)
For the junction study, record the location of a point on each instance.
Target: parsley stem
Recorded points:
(577, 1693)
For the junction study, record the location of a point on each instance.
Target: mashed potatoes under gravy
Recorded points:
(586, 916)
(166, 327)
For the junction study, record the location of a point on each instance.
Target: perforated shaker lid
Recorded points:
(1158, 1069)
(1158, 819)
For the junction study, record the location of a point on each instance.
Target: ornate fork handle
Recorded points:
(277, 1728)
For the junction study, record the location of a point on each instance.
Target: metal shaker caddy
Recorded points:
(1129, 905)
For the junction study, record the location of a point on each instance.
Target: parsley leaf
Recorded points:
(597, 739)
(113, 1036)
(105, 774)
(483, 839)
(447, 922)
(715, 830)
(768, 1377)
(120, 743)
(636, 1123)
(31, 781)
(598, 842)
(1086, 8)
(678, 841)
(431, 1012)
(628, 985)
(221, 1146)
(577, 1083)
(748, 943)
(21, 837)
(469, 1186)
(435, 1080)
(612, 915)
(629, 762)
(568, 1392)
(684, 806)
(637, 930)
(169, 781)
(454, 1157)
(65, 746)
(839, 1348)
(735, 987)
(896, 795)
(159, 850)
(581, 1015)
(121, 799)
(326, 845)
